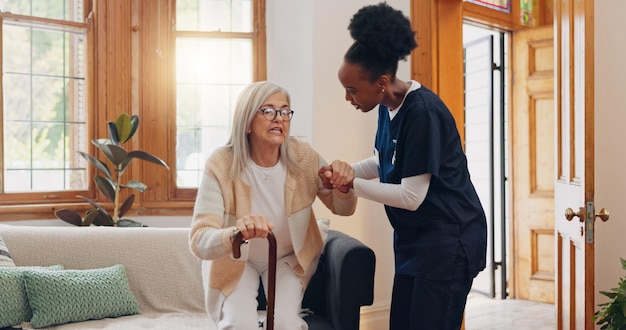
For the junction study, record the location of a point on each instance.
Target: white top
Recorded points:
(268, 199)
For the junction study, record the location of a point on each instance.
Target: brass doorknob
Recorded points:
(570, 214)
(603, 214)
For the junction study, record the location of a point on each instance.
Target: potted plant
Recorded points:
(612, 314)
(110, 182)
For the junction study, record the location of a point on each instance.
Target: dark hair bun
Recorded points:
(384, 31)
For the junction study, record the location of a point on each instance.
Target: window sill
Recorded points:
(46, 211)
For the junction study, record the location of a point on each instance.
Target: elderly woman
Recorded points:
(261, 180)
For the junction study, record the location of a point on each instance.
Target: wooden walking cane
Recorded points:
(271, 282)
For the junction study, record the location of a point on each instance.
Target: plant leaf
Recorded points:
(612, 314)
(133, 184)
(69, 216)
(91, 215)
(609, 294)
(143, 156)
(148, 157)
(97, 163)
(126, 205)
(113, 132)
(125, 163)
(103, 219)
(105, 150)
(134, 124)
(123, 125)
(129, 223)
(116, 154)
(94, 204)
(106, 187)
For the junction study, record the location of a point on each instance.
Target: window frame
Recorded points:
(12, 202)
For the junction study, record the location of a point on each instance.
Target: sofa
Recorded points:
(164, 277)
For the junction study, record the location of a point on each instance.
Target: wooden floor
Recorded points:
(484, 313)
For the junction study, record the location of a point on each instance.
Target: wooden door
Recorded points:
(574, 163)
(532, 170)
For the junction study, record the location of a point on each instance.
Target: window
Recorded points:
(44, 98)
(69, 66)
(215, 58)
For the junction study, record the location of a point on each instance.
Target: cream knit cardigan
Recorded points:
(221, 201)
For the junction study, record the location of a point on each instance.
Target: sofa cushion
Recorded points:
(14, 306)
(78, 295)
(5, 256)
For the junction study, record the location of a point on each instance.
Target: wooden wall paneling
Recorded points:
(154, 57)
(437, 63)
(260, 44)
(423, 57)
(450, 62)
(113, 56)
(114, 61)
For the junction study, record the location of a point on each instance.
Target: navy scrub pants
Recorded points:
(430, 304)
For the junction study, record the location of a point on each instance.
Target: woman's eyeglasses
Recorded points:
(271, 113)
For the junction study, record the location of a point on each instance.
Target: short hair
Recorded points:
(382, 37)
(249, 101)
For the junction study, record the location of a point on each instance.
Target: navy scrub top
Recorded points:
(423, 138)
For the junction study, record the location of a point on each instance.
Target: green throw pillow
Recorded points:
(78, 295)
(14, 307)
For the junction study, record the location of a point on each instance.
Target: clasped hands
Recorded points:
(338, 175)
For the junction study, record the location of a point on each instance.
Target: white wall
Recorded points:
(610, 154)
(306, 42)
